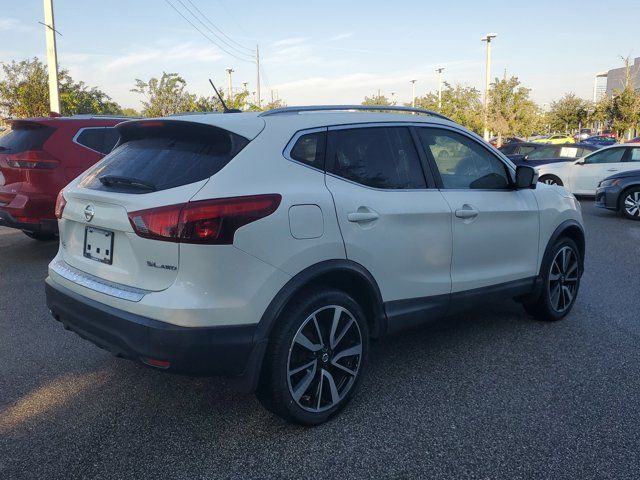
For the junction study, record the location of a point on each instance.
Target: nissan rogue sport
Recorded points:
(273, 247)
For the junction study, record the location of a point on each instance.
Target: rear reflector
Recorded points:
(154, 362)
(212, 222)
(33, 159)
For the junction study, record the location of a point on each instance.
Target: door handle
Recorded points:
(612, 170)
(362, 216)
(467, 212)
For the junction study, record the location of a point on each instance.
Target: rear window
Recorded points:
(99, 139)
(163, 155)
(21, 139)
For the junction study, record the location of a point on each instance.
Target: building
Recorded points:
(616, 77)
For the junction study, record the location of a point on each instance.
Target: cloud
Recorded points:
(7, 24)
(186, 51)
(341, 36)
(290, 41)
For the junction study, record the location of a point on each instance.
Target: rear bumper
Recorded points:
(226, 351)
(38, 226)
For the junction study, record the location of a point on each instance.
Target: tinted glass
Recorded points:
(462, 162)
(611, 155)
(99, 139)
(310, 149)
(381, 157)
(166, 157)
(524, 150)
(22, 139)
(539, 153)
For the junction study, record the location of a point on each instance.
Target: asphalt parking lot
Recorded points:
(491, 394)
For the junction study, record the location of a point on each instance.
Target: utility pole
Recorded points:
(487, 38)
(229, 88)
(440, 70)
(413, 93)
(244, 85)
(258, 75)
(52, 57)
(393, 98)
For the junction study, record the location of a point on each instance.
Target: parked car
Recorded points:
(272, 246)
(583, 176)
(583, 134)
(556, 139)
(505, 141)
(608, 133)
(621, 192)
(600, 140)
(534, 154)
(634, 140)
(38, 157)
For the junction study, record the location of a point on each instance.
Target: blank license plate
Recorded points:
(98, 245)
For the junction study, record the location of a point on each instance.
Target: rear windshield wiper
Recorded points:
(109, 180)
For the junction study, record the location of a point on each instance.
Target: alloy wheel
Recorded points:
(632, 204)
(563, 279)
(550, 181)
(324, 358)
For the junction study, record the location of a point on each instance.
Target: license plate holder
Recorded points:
(98, 245)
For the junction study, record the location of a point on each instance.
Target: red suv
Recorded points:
(38, 157)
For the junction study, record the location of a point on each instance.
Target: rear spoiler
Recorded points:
(22, 123)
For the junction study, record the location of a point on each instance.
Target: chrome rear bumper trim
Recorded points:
(96, 284)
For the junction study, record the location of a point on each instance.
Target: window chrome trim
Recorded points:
(286, 153)
(79, 132)
(123, 292)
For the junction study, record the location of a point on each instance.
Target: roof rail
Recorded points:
(327, 108)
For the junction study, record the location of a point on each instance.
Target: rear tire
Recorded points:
(41, 237)
(561, 270)
(550, 180)
(629, 203)
(316, 357)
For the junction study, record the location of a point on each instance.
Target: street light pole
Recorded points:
(413, 93)
(440, 70)
(487, 38)
(52, 57)
(229, 90)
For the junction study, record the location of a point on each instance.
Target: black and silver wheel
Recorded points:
(560, 271)
(316, 358)
(630, 203)
(550, 180)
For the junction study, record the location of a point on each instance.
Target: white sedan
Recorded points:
(582, 176)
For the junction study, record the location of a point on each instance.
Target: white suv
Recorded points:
(273, 246)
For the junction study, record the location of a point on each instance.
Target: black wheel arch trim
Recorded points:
(253, 369)
(562, 229)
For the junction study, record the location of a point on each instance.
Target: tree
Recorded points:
(460, 103)
(510, 110)
(568, 113)
(376, 100)
(625, 106)
(130, 112)
(165, 96)
(24, 92)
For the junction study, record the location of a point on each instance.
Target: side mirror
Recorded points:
(526, 157)
(526, 177)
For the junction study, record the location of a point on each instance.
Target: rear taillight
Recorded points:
(61, 202)
(203, 222)
(34, 159)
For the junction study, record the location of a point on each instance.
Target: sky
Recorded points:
(330, 52)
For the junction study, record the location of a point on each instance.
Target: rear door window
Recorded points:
(99, 139)
(165, 155)
(24, 138)
(380, 157)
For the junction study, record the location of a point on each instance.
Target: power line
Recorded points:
(218, 29)
(205, 35)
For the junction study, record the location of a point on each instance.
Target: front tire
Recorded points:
(561, 271)
(316, 357)
(550, 180)
(630, 203)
